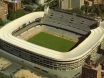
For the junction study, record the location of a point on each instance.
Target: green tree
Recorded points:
(40, 8)
(53, 4)
(97, 9)
(48, 0)
(12, 16)
(16, 14)
(99, 12)
(77, 10)
(83, 7)
(4, 76)
(29, 8)
(9, 13)
(86, 8)
(26, 1)
(1, 22)
(86, 3)
(20, 13)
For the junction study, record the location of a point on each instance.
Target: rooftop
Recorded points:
(92, 65)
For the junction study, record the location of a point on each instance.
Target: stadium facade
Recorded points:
(48, 60)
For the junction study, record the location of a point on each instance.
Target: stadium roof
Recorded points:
(83, 48)
(69, 21)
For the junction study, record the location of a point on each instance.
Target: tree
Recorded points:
(26, 1)
(86, 8)
(86, 3)
(96, 9)
(23, 77)
(77, 10)
(48, 0)
(53, 4)
(99, 12)
(40, 8)
(20, 13)
(16, 14)
(4, 76)
(9, 13)
(12, 16)
(29, 8)
(83, 7)
(1, 22)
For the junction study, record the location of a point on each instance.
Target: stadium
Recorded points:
(82, 35)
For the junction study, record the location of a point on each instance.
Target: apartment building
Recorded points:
(3, 11)
(91, 70)
(14, 4)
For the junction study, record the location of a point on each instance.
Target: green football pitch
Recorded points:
(52, 42)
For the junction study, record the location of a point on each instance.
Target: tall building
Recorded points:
(3, 11)
(99, 1)
(94, 2)
(14, 4)
(91, 70)
(69, 4)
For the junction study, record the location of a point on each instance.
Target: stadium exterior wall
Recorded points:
(45, 60)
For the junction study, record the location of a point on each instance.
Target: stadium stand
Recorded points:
(31, 32)
(69, 22)
(43, 28)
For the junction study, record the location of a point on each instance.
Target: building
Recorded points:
(97, 1)
(89, 1)
(69, 4)
(45, 60)
(3, 11)
(13, 4)
(91, 70)
(94, 2)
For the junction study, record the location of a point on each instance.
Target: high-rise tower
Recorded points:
(69, 4)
